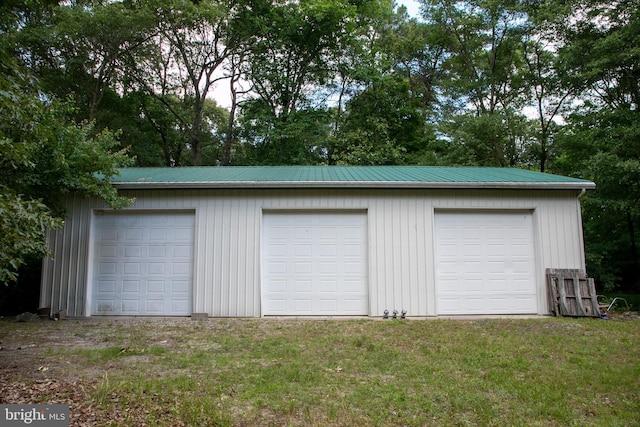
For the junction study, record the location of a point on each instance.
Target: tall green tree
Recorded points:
(44, 155)
(183, 61)
(381, 125)
(389, 120)
(601, 141)
(294, 46)
(482, 93)
(79, 49)
(549, 99)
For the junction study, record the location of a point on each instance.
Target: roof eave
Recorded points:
(355, 184)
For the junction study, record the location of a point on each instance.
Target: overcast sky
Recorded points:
(413, 7)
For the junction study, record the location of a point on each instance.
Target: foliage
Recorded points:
(604, 148)
(299, 140)
(601, 141)
(43, 156)
(380, 125)
(487, 140)
(186, 45)
(293, 50)
(23, 229)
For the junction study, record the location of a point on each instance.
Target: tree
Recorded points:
(482, 92)
(496, 139)
(601, 141)
(183, 61)
(79, 49)
(44, 156)
(381, 125)
(388, 120)
(482, 41)
(294, 46)
(550, 97)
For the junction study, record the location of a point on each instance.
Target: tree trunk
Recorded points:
(634, 251)
(228, 140)
(196, 127)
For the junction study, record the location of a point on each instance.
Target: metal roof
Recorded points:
(342, 177)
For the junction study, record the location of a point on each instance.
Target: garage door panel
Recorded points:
(107, 268)
(328, 233)
(471, 249)
(448, 267)
(314, 264)
(182, 235)
(354, 306)
(471, 269)
(328, 286)
(106, 305)
(181, 287)
(302, 305)
(498, 267)
(327, 250)
(353, 287)
(302, 233)
(155, 306)
(108, 251)
(131, 251)
(302, 286)
(449, 305)
(277, 250)
(133, 234)
(353, 250)
(131, 286)
(328, 305)
(523, 303)
(328, 268)
(485, 263)
(496, 249)
(155, 286)
(499, 304)
(131, 268)
(301, 267)
(302, 250)
(106, 286)
(178, 306)
(141, 268)
(276, 305)
(129, 306)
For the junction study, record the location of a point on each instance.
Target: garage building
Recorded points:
(317, 241)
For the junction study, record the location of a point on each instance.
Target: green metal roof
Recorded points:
(342, 177)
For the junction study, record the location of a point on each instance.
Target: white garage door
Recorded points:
(314, 264)
(485, 263)
(142, 264)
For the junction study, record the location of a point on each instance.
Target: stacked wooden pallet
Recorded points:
(572, 293)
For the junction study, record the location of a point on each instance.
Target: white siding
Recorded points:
(400, 241)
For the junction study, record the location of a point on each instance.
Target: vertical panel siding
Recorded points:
(228, 235)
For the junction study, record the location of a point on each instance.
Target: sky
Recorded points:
(413, 7)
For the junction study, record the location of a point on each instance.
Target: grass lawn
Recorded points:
(237, 372)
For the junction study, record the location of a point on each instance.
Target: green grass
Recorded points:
(534, 372)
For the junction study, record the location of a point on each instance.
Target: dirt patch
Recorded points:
(34, 367)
